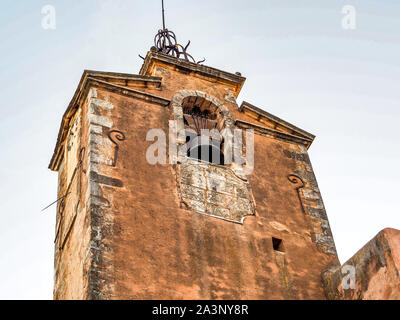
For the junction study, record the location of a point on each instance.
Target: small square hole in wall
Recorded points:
(277, 244)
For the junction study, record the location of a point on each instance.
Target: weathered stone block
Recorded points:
(218, 211)
(215, 198)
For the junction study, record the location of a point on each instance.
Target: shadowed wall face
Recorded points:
(371, 274)
(193, 230)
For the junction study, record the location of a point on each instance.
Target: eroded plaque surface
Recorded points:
(215, 191)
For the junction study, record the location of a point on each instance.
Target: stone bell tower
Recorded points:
(192, 227)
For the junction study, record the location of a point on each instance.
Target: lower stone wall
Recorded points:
(371, 274)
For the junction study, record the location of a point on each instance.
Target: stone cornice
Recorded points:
(273, 133)
(128, 91)
(236, 80)
(127, 78)
(274, 119)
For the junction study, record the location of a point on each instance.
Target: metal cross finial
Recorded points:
(165, 42)
(163, 15)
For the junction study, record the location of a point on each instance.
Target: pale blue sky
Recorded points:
(342, 85)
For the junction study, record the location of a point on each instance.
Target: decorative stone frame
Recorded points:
(219, 191)
(177, 110)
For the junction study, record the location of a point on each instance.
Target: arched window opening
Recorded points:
(202, 137)
(198, 119)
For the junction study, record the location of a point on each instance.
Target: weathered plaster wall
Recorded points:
(377, 267)
(174, 80)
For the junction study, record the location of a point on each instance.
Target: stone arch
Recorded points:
(177, 108)
(225, 117)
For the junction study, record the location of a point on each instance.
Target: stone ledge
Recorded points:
(272, 133)
(275, 119)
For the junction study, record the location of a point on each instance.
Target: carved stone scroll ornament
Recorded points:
(114, 135)
(296, 180)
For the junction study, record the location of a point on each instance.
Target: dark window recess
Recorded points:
(198, 113)
(208, 153)
(277, 244)
(202, 146)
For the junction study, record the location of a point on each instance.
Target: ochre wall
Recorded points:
(72, 225)
(133, 238)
